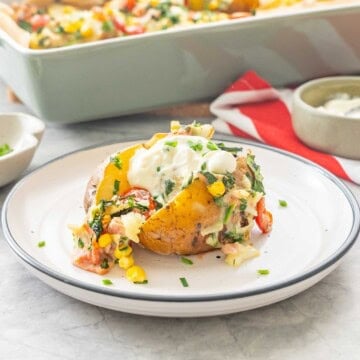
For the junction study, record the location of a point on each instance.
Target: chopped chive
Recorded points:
(107, 282)
(228, 213)
(41, 244)
(116, 187)
(196, 146)
(232, 150)
(283, 203)
(211, 146)
(229, 180)
(243, 204)
(141, 282)
(116, 161)
(107, 26)
(184, 282)
(263, 271)
(211, 178)
(171, 143)
(80, 243)
(5, 149)
(186, 261)
(169, 186)
(25, 25)
(104, 264)
(158, 169)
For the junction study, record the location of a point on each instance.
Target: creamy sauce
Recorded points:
(174, 160)
(344, 105)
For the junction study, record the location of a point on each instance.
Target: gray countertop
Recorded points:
(37, 322)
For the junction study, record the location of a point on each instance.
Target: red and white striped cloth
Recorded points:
(251, 108)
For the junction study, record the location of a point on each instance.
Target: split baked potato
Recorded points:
(179, 193)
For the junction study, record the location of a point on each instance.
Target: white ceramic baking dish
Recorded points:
(127, 75)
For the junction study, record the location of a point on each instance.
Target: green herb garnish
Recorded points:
(186, 261)
(233, 236)
(243, 204)
(203, 166)
(228, 213)
(116, 187)
(211, 146)
(196, 146)
(80, 243)
(141, 282)
(171, 143)
(43, 41)
(256, 177)
(41, 244)
(96, 225)
(219, 201)
(59, 30)
(25, 25)
(184, 282)
(233, 150)
(107, 26)
(211, 178)
(158, 169)
(104, 264)
(263, 271)
(283, 203)
(169, 186)
(116, 161)
(107, 282)
(5, 149)
(228, 180)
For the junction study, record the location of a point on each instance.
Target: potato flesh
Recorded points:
(175, 229)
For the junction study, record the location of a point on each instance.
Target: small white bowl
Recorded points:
(322, 130)
(22, 132)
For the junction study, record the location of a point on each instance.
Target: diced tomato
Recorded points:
(119, 24)
(130, 4)
(39, 21)
(264, 217)
(134, 29)
(139, 195)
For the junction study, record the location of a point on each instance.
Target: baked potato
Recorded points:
(179, 193)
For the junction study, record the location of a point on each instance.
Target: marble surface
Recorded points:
(37, 322)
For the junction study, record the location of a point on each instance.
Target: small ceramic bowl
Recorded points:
(22, 133)
(323, 130)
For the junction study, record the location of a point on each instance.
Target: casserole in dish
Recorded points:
(138, 73)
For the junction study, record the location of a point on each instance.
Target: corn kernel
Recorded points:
(34, 42)
(124, 252)
(87, 31)
(154, 3)
(213, 5)
(126, 262)
(105, 240)
(216, 189)
(73, 26)
(108, 11)
(98, 15)
(105, 220)
(68, 9)
(136, 274)
(175, 125)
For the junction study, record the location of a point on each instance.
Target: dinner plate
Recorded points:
(309, 237)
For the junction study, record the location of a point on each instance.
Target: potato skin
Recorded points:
(176, 228)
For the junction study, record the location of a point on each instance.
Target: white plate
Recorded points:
(309, 238)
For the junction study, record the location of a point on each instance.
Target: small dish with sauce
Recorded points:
(20, 135)
(326, 115)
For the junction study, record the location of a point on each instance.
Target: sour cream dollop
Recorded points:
(170, 164)
(344, 105)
